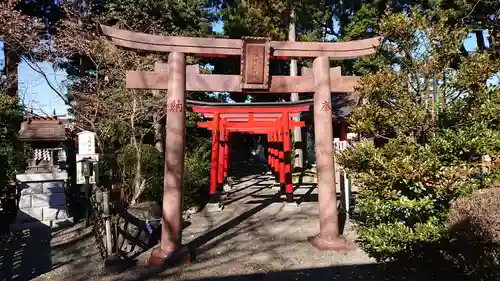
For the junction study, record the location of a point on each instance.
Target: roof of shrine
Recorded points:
(42, 129)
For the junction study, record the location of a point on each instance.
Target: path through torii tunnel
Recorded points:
(271, 119)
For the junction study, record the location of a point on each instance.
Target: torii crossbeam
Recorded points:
(254, 78)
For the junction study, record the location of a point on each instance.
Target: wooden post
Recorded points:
(329, 237)
(297, 134)
(171, 238)
(106, 212)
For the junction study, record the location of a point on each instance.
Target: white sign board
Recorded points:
(80, 179)
(86, 142)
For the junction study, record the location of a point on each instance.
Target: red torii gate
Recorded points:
(255, 53)
(272, 119)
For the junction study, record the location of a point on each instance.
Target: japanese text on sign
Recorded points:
(86, 142)
(175, 106)
(326, 106)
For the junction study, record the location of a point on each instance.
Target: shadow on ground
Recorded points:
(361, 272)
(365, 272)
(28, 253)
(25, 254)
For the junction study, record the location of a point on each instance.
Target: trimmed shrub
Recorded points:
(473, 245)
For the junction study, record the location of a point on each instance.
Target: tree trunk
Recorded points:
(139, 183)
(298, 163)
(157, 117)
(158, 128)
(12, 61)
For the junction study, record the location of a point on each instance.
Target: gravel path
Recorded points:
(253, 238)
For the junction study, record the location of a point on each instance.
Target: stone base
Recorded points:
(214, 207)
(291, 206)
(227, 187)
(43, 201)
(159, 258)
(339, 244)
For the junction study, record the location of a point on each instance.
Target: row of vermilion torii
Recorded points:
(270, 119)
(274, 120)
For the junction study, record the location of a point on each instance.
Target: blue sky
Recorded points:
(34, 91)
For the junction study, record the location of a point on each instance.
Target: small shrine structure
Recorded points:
(43, 199)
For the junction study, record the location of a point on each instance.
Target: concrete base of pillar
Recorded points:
(160, 259)
(291, 207)
(227, 187)
(276, 186)
(214, 207)
(283, 196)
(337, 244)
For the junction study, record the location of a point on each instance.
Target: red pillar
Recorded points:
(276, 151)
(215, 155)
(269, 149)
(287, 148)
(220, 168)
(273, 151)
(226, 153)
(281, 155)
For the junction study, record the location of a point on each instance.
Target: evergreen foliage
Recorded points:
(431, 118)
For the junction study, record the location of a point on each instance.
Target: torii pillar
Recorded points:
(329, 237)
(174, 162)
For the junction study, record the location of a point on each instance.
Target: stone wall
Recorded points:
(43, 200)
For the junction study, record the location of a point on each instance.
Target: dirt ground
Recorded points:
(256, 237)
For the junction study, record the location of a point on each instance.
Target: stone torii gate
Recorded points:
(254, 78)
